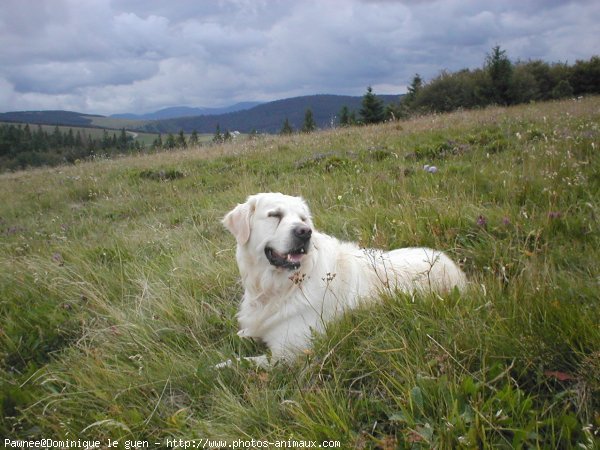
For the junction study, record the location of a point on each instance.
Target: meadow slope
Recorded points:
(118, 289)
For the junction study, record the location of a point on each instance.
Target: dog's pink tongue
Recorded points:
(294, 257)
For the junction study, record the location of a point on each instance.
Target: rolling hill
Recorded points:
(53, 117)
(267, 117)
(264, 118)
(185, 111)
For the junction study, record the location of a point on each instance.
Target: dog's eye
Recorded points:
(277, 214)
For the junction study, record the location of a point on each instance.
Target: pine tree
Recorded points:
(193, 138)
(181, 140)
(309, 122)
(372, 108)
(218, 137)
(69, 139)
(91, 144)
(78, 139)
(352, 119)
(500, 71)
(105, 140)
(170, 142)
(413, 90)
(122, 142)
(40, 139)
(158, 143)
(286, 128)
(57, 138)
(344, 116)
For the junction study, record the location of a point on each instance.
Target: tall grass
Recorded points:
(118, 289)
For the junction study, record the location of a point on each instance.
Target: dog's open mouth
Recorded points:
(289, 260)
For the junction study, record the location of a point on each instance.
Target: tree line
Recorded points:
(22, 147)
(309, 125)
(498, 82)
(172, 141)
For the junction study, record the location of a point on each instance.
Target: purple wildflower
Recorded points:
(554, 215)
(58, 259)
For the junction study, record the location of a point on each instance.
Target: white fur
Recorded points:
(283, 307)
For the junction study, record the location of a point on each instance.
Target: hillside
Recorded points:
(119, 287)
(185, 111)
(264, 118)
(267, 117)
(50, 118)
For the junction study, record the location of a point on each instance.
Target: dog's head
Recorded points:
(273, 228)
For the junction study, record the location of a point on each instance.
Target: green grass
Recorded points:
(118, 289)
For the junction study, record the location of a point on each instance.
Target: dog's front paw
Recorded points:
(224, 364)
(261, 361)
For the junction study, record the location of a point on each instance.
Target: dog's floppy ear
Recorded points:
(237, 221)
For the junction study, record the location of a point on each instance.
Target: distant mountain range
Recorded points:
(243, 117)
(267, 117)
(50, 117)
(186, 111)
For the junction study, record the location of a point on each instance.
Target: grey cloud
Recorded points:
(138, 55)
(61, 78)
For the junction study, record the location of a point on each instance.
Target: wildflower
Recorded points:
(481, 221)
(58, 259)
(505, 221)
(432, 169)
(554, 215)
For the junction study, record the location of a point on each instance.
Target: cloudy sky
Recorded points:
(102, 56)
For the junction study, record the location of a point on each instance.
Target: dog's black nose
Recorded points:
(302, 232)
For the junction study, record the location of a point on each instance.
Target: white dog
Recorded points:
(296, 279)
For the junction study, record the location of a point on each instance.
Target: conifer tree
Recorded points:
(57, 138)
(352, 119)
(218, 137)
(372, 108)
(500, 71)
(193, 138)
(170, 142)
(181, 140)
(344, 116)
(309, 122)
(78, 139)
(413, 90)
(158, 143)
(122, 143)
(286, 128)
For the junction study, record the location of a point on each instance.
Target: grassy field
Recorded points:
(118, 289)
